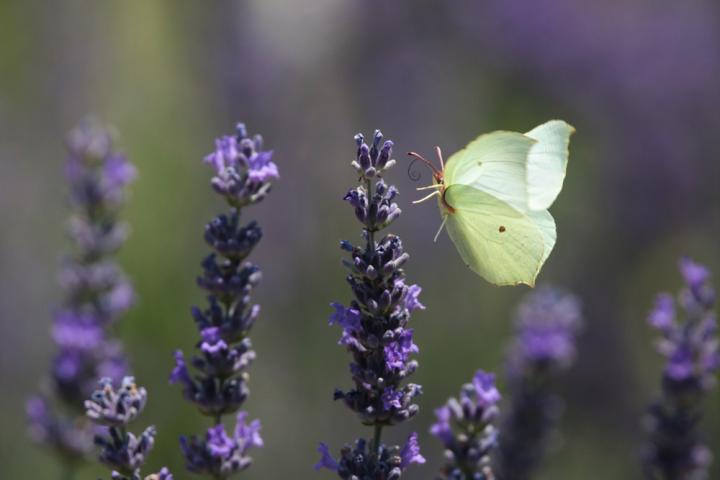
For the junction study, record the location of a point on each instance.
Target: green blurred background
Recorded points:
(639, 80)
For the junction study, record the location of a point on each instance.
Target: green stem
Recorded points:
(218, 419)
(376, 439)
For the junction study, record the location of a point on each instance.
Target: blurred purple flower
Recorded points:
(97, 293)
(692, 351)
(547, 325)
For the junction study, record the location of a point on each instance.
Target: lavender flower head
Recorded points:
(243, 170)
(547, 324)
(121, 450)
(360, 462)
(465, 426)
(374, 324)
(97, 294)
(219, 455)
(215, 378)
(691, 348)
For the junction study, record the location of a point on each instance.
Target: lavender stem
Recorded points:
(376, 438)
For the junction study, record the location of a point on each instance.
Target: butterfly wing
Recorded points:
(498, 242)
(495, 163)
(547, 162)
(546, 224)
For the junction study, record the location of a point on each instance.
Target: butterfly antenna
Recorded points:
(440, 229)
(428, 163)
(440, 157)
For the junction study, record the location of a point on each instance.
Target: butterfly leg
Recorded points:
(440, 229)
(436, 192)
(435, 185)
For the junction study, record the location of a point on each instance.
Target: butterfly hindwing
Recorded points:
(497, 241)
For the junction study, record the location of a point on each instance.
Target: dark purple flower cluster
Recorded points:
(374, 325)
(547, 325)
(97, 293)
(362, 463)
(465, 426)
(692, 350)
(218, 386)
(121, 450)
(219, 455)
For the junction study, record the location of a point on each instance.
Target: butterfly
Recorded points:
(494, 197)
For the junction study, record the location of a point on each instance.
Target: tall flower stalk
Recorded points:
(217, 385)
(466, 428)
(547, 325)
(97, 293)
(113, 410)
(689, 342)
(374, 326)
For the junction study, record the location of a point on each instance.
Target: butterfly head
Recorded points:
(438, 174)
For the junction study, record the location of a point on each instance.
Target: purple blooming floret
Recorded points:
(547, 325)
(689, 342)
(465, 426)
(243, 171)
(220, 455)
(96, 294)
(374, 324)
(215, 377)
(121, 450)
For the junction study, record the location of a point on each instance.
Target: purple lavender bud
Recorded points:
(163, 474)
(360, 462)
(116, 408)
(227, 238)
(125, 452)
(465, 426)
(326, 459)
(96, 293)
(410, 453)
(547, 325)
(689, 342)
(219, 455)
(372, 161)
(374, 327)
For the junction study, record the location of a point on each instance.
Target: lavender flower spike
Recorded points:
(691, 348)
(465, 426)
(374, 326)
(218, 382)
(97, 293)
(121, 450)
(547, 325)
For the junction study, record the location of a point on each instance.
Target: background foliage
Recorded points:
(637, 78)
